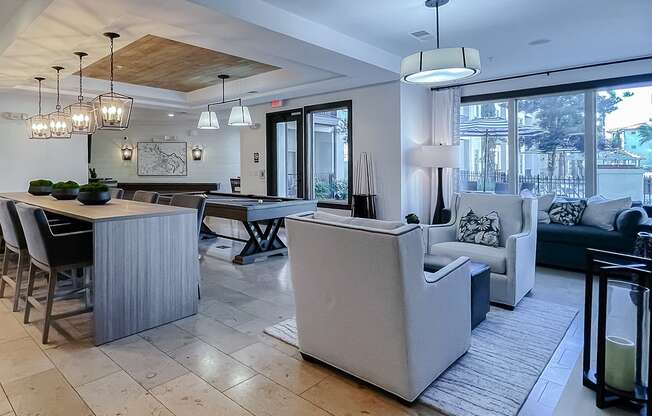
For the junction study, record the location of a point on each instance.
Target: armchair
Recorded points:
(512, 263)
(365, 306)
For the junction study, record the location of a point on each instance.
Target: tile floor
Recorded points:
(218, 362)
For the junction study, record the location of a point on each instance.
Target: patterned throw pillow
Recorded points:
(478, 229)
(567, 213)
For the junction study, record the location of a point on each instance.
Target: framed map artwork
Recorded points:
(162, 158)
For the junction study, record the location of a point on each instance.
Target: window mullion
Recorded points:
(512, 145)
(590, 147)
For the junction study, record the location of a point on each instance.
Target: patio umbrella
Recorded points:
(486, 127)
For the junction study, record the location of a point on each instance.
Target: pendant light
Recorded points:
(440, 65)
(38, 126)
(82, 114)
(239, 116)
(113, 110)
(60, 122)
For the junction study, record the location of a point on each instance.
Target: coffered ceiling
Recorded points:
(157, 62)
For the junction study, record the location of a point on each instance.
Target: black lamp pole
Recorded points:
(438, 216)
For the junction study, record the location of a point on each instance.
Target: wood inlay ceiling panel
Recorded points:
(163, 63)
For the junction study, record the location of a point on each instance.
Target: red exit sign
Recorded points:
(277, 103)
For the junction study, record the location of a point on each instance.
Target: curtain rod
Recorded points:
(552, 71)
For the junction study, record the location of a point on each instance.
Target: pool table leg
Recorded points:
(261, 243)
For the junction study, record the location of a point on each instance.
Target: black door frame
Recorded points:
(272, 166)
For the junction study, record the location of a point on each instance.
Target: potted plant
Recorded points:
(412, 218)
(94, 193)
(40, 187)
(65, 190)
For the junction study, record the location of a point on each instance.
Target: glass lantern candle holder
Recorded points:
(619, 372)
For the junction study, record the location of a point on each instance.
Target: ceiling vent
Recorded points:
(420, 34)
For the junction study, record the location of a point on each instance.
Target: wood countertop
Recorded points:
(115, 209)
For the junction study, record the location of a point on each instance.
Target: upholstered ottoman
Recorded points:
(480, 285)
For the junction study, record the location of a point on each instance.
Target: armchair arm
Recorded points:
(439, 233)
(446, 271)
(631, 221)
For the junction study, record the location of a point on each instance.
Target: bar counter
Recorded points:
(146, 267)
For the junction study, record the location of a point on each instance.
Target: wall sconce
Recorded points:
(197, 152)
(127, 150)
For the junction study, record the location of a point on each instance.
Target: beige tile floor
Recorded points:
(218, 362)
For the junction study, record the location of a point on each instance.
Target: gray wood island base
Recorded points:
(146, 267)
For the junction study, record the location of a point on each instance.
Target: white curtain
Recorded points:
(445, 130)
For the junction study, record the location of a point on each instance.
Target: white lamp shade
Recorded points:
(438, 66)
(240, 116)
(208, 120)
(440, 156)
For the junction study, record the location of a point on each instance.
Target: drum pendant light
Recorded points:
(60, 122)
(440, 65)
(239, 116)
(38, 126)
(112, 109)
(82, 114)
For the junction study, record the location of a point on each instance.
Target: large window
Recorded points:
(483, 139)
(551, 145)
(624, 143)
(574, 144)
(328, 139)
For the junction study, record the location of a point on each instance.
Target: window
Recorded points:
(624, 143)
(484, 141)
(551, 145)
(329, 144)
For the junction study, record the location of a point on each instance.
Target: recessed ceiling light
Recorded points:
(170, 114)
(536, 42)
(252, 92)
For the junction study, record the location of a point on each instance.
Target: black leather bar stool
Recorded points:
(197, 202)
(117, 193)
(14, 245)
(53, 254)
(146, 196)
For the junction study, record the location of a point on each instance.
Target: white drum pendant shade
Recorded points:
(208, 121)
(240, 116)
(438, 66)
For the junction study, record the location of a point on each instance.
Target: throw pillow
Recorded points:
(602, 212)
(544, 204)
(567, 213)
(478, 229)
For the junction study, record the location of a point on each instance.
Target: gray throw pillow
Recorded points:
(567, 213)
(478, 229)
(544, 204)
(601, 212)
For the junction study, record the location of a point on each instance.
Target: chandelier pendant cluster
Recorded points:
(440, 65)
(109, 111)
(239, 117)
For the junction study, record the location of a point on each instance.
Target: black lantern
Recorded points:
(112, 109)
(621, 376)
(127, 150)
(197, 152)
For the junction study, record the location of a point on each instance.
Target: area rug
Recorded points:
(508, 352)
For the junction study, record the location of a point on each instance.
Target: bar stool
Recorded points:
(53, 254)
(146, 196)
(197, 202)
(14, 240)
(117, 193)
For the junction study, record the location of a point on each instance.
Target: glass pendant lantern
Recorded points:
(113, 110)
(38, 126)
(60, 122)
(82, 114)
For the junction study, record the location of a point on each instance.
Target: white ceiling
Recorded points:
(580, 31)
(321, 46)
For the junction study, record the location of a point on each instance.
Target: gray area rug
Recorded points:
(509, 350)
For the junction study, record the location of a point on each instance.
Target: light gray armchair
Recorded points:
(365, 306)
(512, 263)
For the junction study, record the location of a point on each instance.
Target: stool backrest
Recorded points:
(197, 202)
(37, 232)
(146, 196)
(117, 193)
(12, 229)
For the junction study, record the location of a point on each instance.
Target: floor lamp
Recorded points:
(440, 156)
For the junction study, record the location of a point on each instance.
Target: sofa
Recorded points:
(365, 305)
(564, 246)
(512, 263)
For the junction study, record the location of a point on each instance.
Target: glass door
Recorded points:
(285, 154)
